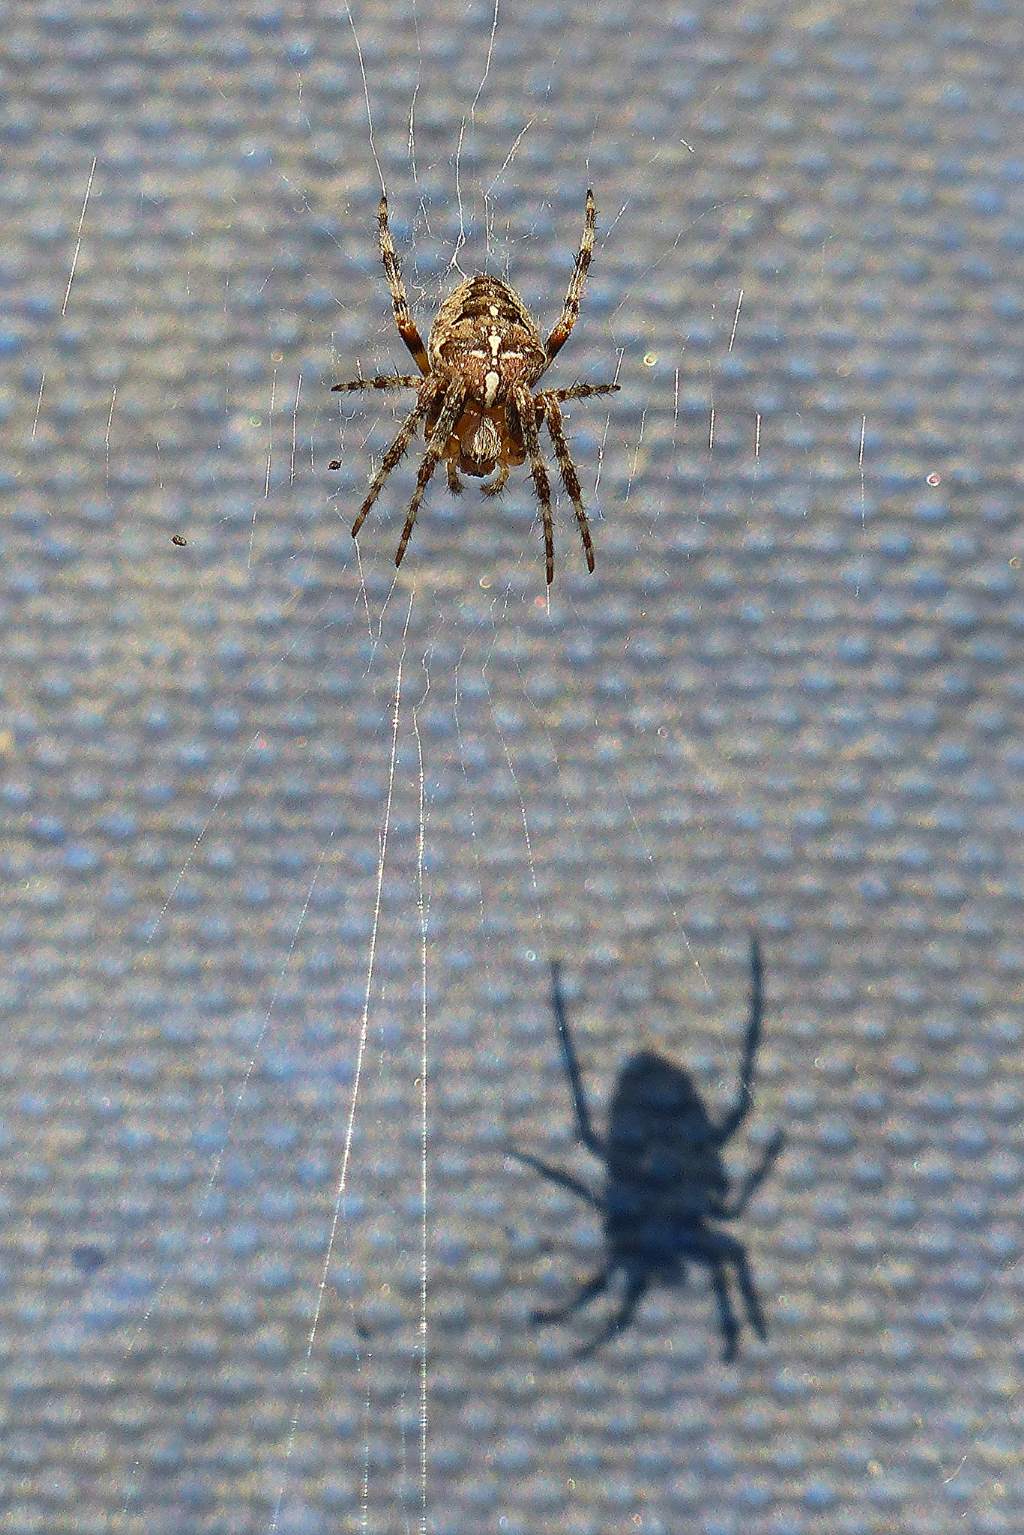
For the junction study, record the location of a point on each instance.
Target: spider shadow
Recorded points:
(665, 1185)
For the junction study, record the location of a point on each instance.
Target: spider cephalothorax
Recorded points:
(474, 391)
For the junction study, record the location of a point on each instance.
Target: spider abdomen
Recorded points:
(483, 334)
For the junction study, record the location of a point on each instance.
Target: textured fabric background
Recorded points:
(789, 702)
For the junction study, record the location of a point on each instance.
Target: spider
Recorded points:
(664, 1180)
(474, 390)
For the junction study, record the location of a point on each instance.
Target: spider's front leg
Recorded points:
(587, 1292)
(571, 308)
(403, 315)
(584, 1129)
(527, 413)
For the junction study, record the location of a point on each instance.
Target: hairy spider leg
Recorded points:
(571, 308)
(395, 451)
(385, 381)
(570, 479)
(382, 381)
(450, 413)
(580, 391)
(403, 315)
(454, 482)
(528, 419)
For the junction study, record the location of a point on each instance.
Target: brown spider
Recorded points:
(474, 390)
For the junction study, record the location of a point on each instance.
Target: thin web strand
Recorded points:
(78, 242)
(366, 95)
(342, 1183)
(424, 1207)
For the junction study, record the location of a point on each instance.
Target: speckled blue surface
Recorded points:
(789, 702)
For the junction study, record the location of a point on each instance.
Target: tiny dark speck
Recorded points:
(177, 539)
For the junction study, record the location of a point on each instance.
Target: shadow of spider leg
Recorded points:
(555, 1175)
(588, 1291)
(722, 1253)
(636, 1288)
(752, 1182)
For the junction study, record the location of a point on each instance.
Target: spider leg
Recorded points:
(581, 391)
(745, 1096)
(454, 483)
(382, 381)
(403, 317)
(719, 1252)
(395, 451)
(527, 412)
(450, 412)
(636, 1288)
(730, 1327)
(732, 1251)
(570, 479)
(571, 308)
(497, 485)
(555, 1175)
(587, 1292)
(752, 1182)
(584, 1128)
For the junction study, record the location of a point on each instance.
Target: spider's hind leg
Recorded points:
(636, 1289)
(587, 1292)
(527, 412)
(394, 452)
(438, 441)
(570, 479)
(727, 1321)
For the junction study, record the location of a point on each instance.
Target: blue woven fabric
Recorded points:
(244, 774)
